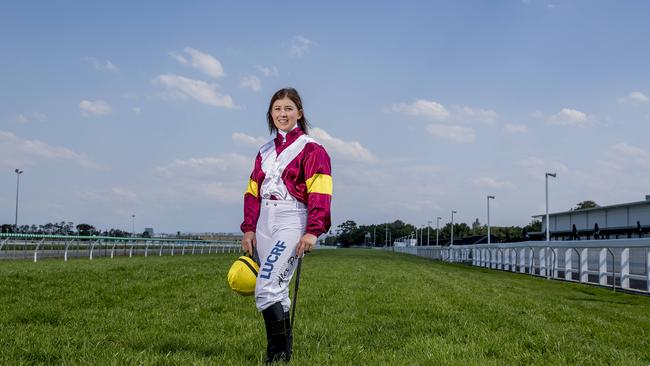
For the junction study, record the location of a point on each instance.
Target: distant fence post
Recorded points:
(568, 264)
(625, 268)
(647, 270)
(602, 267)
(556, 262)
(65, 253)
(584, 259)
(36, 250)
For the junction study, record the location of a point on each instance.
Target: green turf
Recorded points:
(356, 307)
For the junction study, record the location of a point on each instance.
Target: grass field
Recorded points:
(355, 307)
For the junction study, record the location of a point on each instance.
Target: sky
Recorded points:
(157, 109)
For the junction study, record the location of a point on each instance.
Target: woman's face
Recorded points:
(285, 114)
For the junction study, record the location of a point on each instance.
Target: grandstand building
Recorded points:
(626, 220)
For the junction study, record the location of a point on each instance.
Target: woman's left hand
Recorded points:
(306, 244)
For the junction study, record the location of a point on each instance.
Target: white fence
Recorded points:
(617, 263)
(38, 248)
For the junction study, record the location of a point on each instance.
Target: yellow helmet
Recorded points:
(242, 275)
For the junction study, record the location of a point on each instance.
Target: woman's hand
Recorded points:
(249, 242)
(306, 244)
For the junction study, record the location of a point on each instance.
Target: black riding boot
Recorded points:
(278, 334)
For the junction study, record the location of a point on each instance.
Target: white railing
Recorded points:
(617, 263)
(38, 248)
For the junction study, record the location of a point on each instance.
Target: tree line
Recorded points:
(350, 233)
(67, 228)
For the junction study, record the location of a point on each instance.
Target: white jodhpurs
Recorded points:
(279, 228)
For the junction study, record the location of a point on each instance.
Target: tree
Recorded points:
(350, 234)
(86, 230)
(534, 226)
(585, 205)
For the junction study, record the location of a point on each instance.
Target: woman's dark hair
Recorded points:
(292, 94)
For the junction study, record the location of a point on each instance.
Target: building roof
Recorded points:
(638, 203)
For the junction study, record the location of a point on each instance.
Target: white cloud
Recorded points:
(466, 113)
(207, 166)
(252, 82)
(203, 62)
(137, 110)
(491, 183)
(453, 133)
(537, 167)
(537, 114)
(124, 193)
(248, 140)
(111, 195)
(347, 150)
(514, 128)
(39, 117)
(268, 71)
(105, 65)
(635, 97)
(421, 107)
(16, 151)
(180, 58)
(196, 89)
(34, 116)
(569, 117)
(299, 46)
(220, 178)
(626, 154)
(96, 108)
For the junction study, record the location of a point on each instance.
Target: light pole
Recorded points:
(428, 225)
(422, 235)
(488, 209)
(548, 233)
(452, 226)
(438, 229)
(133, 225)
(18, 173)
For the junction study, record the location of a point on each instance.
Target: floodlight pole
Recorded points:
(548, 232)
(133, 226)
(438, 229)
(18, 173)
(452, 227)
(428, 226)
(421, 234)
(488, 216)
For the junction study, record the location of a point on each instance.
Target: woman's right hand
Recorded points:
(249, 242)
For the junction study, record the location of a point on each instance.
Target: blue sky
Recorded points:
(157, 110)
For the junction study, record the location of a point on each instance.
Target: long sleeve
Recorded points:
(318, 181)
(252, 197)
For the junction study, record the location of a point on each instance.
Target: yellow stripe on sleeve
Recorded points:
(252, 188)
(319, 183)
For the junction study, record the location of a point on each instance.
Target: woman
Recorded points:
(286, 207)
